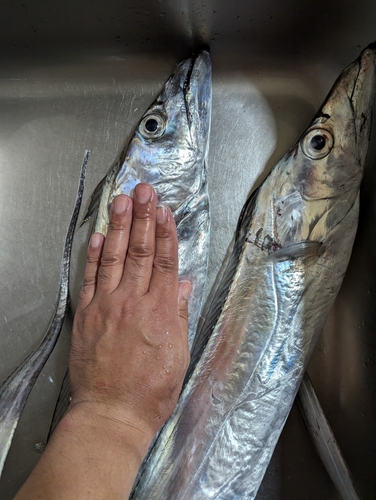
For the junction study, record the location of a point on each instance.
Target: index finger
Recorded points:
(139, 262)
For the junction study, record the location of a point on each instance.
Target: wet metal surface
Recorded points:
(80, 77)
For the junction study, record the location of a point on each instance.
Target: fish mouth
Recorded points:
(358, 81)
(193, 78)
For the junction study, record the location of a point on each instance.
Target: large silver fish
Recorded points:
(16, 389)
(291, 250)
(169, 150)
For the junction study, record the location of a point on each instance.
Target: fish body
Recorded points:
(16, 389)
(169, 150)
(290, 253)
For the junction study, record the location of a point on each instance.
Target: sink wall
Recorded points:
(79, 75)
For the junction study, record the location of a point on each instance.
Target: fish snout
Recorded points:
(363, 95)
(198, 98)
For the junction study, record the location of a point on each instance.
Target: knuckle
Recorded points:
(164, 232)
(136, 274)
(183, 313)
(104, 276)
(83, 292)
(116, 224)
(142, 213)
(165, 263)
(88, 282)
(110, 259)
(141, 251)
(92, 259)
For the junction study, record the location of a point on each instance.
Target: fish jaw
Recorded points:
(198, 98)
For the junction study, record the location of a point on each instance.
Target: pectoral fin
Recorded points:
(94, 201)
(297, 250)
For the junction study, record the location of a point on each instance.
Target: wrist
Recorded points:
(92, 454)
(109, 425)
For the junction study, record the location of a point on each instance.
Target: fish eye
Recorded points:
(317, 143)
(152, 126)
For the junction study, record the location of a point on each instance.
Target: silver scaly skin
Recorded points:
(169, 150)
(290, 253)
(16, 389)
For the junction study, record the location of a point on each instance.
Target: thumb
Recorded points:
(185, 289)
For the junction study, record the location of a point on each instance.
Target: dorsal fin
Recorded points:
(94, 201)
(297, 250)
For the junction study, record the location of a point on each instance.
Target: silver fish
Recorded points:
(291, 250)
(17, 387)
(169, 150)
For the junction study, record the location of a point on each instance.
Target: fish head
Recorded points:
(334, 147)
(170, 144)
(317, 182)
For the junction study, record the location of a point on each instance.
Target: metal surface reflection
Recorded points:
(78, 77)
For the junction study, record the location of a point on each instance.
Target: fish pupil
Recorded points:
(318, 142)
(151, 125)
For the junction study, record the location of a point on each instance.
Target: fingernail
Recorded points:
(120, 204)
(143, 192)
(186, 289)
(161, 214)
(95, 240)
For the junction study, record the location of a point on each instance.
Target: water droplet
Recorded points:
(144, 352)
(39, 447)
(170, 345)
(167, 333)
(160, 346)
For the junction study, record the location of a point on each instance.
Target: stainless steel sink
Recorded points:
(79, 75)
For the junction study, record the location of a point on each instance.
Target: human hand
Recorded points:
(129, 350)
(129, 354)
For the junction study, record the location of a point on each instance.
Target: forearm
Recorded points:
(88, 457)
(129, 354)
